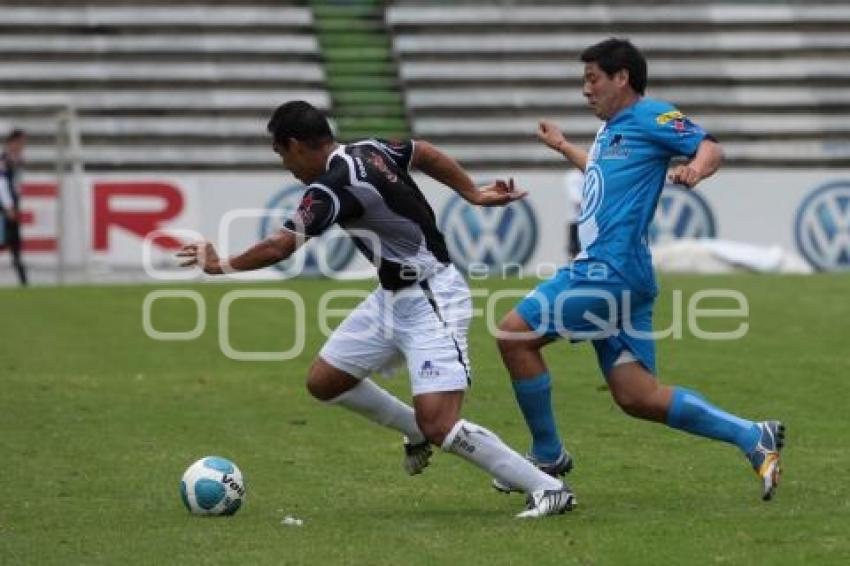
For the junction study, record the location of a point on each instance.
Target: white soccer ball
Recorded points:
(212, 486)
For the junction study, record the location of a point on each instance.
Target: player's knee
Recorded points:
(511, 340)
(315, 388)
(435, 426)
(325, 382)
(509, 323)
(318, 384)
(506, 346)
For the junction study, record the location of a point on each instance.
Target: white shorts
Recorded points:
(427, 323)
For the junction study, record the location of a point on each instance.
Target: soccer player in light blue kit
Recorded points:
(606, 295)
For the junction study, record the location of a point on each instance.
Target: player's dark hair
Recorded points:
(302, 121)
(15, 134)
(614, 54)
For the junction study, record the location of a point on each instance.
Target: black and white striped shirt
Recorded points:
(367, 189)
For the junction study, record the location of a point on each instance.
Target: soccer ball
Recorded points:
(212, 486)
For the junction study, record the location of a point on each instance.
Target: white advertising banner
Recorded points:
(806, 212)
(130, 219)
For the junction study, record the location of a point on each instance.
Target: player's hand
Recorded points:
(499, 193)
(685, 175)
(549, 133)
(202, 254)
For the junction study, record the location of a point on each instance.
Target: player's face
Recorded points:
(15, 148)
(293, 158)
(601, 91)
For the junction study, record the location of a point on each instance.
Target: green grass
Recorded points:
(97, 423)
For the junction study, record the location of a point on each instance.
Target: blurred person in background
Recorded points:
(10, 199)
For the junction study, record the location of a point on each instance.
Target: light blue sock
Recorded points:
(690, 412)
(535, 399)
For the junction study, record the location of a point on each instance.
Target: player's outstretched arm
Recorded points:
(705, 163)
(549, 133)
(439, 166)
(277, 247)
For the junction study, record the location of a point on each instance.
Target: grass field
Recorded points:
(98, 422)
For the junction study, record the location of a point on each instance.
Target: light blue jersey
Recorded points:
(625, 174)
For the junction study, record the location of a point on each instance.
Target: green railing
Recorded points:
(361, 72)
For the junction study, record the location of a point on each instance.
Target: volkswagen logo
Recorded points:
(823, 227)
(681, 213)
(493, 236)
(592, 193)
(324, 255)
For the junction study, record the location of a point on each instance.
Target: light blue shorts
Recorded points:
(591, 301)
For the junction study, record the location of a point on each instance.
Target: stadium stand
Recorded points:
(771, 80)
(161, 85)
(158, 85)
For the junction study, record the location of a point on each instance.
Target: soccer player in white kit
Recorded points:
(421, 308)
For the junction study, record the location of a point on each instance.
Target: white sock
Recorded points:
(380, 406)
(488, 452)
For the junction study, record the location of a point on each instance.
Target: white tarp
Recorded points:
(724, 256)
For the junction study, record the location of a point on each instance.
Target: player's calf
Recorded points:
(436, 414)
(638, 393)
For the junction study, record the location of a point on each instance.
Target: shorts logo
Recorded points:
(428, 369)
(823, 227)
(495, 236)
(333, 249)
(592, 194)
(681, 213)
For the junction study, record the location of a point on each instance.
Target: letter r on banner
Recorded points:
(128, 205)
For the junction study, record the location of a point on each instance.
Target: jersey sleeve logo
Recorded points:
(305, 215)
(664, 119)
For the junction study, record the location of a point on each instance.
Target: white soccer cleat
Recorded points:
(416, 456)
(545, 502)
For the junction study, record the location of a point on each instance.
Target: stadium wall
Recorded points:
(806, 212)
